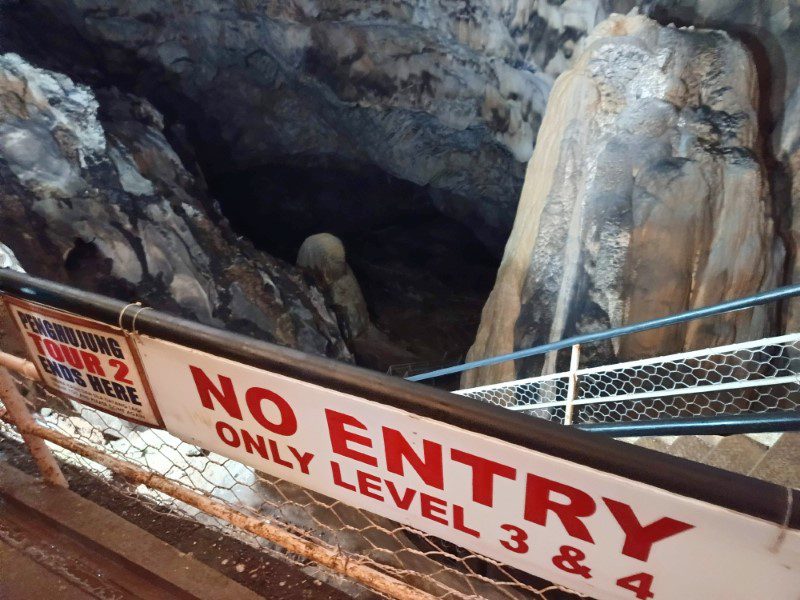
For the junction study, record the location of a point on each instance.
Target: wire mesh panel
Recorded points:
(435, 566)
(753, 377)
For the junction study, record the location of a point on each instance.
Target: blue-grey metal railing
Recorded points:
(781, 293)
(717, 425)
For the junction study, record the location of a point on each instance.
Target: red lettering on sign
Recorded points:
(369, 485)
(92, 363)
(79, 359)
(53, 350)
(538, 503)
(458, 521)
(433, 508)
(122, 371)
(226, 396)
(255, 397)
(257, 443)
(37, 341)
(397, 448)
(336, 471)
(276, 456)
(303, 460)
(518, 541)
(640, 584)
(404, 502)
(340, 437)
(228, 434)
(639, 540)
(483, 473)
(430, 507)
(73, 357)
(569, 560)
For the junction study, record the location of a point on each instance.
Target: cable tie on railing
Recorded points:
(122, 312)
(133, 319)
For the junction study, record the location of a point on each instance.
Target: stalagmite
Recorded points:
(645, 197)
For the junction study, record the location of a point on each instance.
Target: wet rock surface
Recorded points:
(645, 197)
(347, 117)
(93, 195)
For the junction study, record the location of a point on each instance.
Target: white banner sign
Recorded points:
(596, 533)
(86, 361)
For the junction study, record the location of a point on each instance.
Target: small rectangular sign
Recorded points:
(85, 361)
(594, 532)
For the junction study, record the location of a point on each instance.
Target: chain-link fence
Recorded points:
(429, 564)
(754, 377)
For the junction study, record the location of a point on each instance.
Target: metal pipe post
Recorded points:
(21, 365)
(328, 556)
(18, 412)
(572, 385)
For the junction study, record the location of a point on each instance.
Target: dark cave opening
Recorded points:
(424, 275)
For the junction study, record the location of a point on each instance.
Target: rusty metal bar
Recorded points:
(327, 556)
(18, 414)
(572, 385)
(20, 365)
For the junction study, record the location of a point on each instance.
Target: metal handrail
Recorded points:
(772, 422)
(780, 293)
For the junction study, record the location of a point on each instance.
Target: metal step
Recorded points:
(781, 464)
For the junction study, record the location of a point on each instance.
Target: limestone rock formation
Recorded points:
(645, 197)
(93, 195)
(445, 94)
(788, 141)
(323, 256)
(7, 259)
(771, 31)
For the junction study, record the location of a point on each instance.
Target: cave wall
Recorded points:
(445, 95)
(648, 272)
(92, 194)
